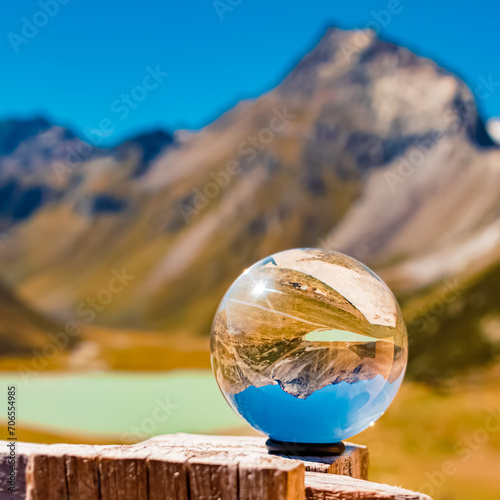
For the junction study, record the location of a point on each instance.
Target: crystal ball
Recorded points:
(309, 346)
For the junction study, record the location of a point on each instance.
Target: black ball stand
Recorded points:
(304, 449)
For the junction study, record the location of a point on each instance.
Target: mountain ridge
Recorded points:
(347, 152)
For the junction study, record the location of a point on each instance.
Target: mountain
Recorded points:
(40, 164)
(14, 132)
(366, 148)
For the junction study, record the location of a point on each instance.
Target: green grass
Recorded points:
(437, 440)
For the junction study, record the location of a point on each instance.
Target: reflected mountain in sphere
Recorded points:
(309, 346)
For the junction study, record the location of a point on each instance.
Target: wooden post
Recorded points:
(189, 467)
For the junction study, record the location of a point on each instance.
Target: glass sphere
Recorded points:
(309, 346)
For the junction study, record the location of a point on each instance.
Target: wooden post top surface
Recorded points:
(188, 467)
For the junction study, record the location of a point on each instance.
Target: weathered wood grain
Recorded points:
(213, 477)
(46, 473)
(168, 475)
(82, 472)
(222, 467)
(189, 467)
(353, 462)
(270, 477)
(333, 487)
(123, 474)
(46, 478)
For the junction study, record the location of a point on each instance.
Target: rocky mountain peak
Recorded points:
(365, 148)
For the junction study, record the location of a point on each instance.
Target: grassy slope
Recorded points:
(439, 436)
(454, 327)
(132, 350)
(21, 328)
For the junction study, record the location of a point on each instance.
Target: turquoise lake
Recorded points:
(120, 404)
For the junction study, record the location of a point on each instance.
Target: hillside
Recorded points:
(22, 331)
(375, 151)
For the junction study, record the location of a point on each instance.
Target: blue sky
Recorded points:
(85, 55)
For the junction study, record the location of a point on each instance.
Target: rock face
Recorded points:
(373, 151)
